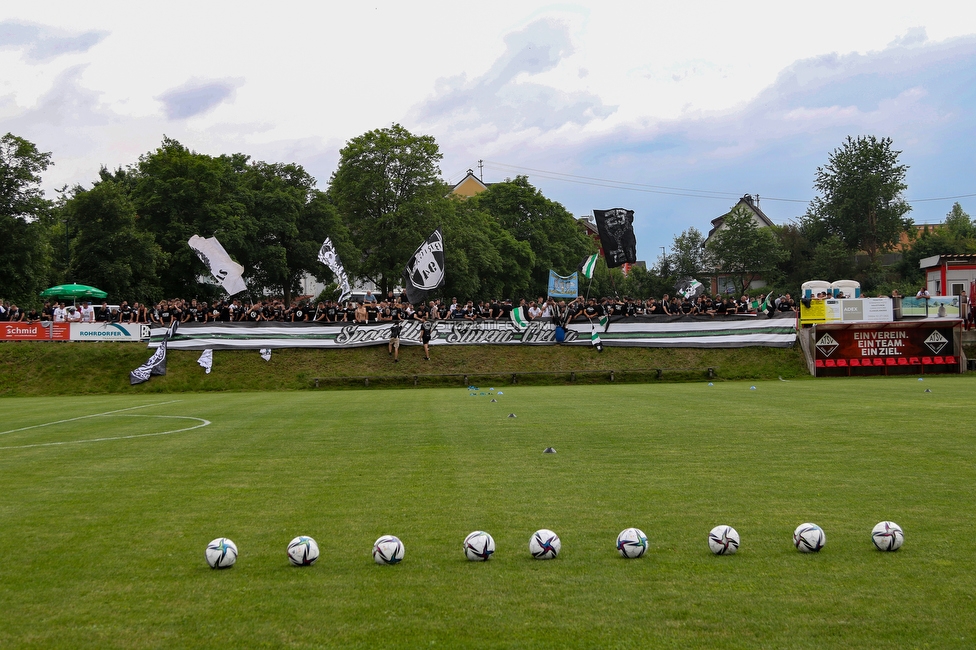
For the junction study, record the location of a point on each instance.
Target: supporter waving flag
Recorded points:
(329, 257)
(588, 265)
(425, 270)
(227, 272)
(518, 317)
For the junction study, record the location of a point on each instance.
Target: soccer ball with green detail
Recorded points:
(221, 553)
(388, 550)
(632, 543)
(303, 551)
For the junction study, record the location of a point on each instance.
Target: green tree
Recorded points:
(483, 259)
(24, 249)
(957, 236)
(108, 250)
(832, 261)
(689, 256)
(555, 238)
(291, 219)
(179, 193)
(744, 251)
(861, 196)
(386, 189)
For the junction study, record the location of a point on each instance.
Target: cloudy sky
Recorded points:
(673, 111)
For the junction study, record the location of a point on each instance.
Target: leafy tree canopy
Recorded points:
(24, 248)
(860, 197)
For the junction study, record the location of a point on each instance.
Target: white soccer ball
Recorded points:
(809, 538)
(388, 550)
(544, 544)
(632, 543)
(888, 536)
(723, 540)
(479, 546)
(221, 553)
(303, 551)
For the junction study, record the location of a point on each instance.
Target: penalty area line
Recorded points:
(84, 417)
(202, 424)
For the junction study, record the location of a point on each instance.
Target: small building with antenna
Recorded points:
(749, 203)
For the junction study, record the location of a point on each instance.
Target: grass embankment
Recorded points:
(36, 369)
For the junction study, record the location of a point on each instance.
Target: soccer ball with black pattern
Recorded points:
(809, 538)
(632, 543)
(723, 540)
(887, 536)
(303, 551)
(479, 546)
(544, 544)
(388, 550)
(221, 553)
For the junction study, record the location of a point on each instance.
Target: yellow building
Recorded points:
(469, 186)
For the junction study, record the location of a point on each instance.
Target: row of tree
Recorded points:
(127, 233)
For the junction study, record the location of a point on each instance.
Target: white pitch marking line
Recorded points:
(203, 423)
(83, 417)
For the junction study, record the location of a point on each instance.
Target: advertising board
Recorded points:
(912, 347)
(121, 332)
(46, 331)
(848, 310)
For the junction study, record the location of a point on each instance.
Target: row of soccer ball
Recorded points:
(544, 544)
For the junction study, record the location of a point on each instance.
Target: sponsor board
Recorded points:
(918, 343)
(125, 332)
(44, 331)
(848, 310)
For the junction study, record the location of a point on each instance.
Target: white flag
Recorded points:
(329, 257)
(266, 354)
(206, 360)
(227, 272)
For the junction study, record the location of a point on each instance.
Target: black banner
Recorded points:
(617, 237)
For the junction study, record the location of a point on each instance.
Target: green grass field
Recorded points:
(102, 543)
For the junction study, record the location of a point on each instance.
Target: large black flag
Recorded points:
(617, 238)
(425, 270)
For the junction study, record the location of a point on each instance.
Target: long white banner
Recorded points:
(687, 333)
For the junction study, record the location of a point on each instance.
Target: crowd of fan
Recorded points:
(393, 308)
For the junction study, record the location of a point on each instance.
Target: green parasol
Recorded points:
(73, 291)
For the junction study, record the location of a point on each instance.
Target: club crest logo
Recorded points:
(425, 269)
(936, 342)
(826, 345)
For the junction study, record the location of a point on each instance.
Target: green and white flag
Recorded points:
(518, 317)
(595, 338)
(588, 265)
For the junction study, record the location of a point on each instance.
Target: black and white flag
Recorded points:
(329, 257)
(617, 237)
(425, 270)
(156, 365)
(227, 272)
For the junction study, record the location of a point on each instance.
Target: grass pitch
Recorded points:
(102, 543)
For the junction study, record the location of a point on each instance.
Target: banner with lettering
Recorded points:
(628, 332)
